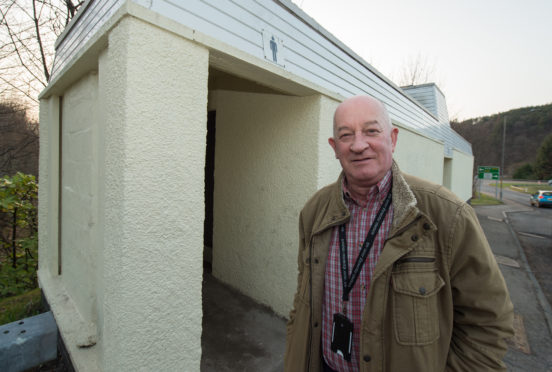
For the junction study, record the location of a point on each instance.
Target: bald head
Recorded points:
(363, 141)
(360, 104)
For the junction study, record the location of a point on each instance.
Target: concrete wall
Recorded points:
(74, 246)
(80, 242)
(266, 167)
(462, 174)
(132, 203)
(48, 186)
(155, 87)
(328, 166)
(419, 156)
(447, 172)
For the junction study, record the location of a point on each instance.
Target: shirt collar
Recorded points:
(380, 190)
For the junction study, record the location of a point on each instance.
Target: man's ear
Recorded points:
(331, 141)
(394, 136)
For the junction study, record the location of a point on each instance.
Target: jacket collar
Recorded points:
(405, 208)
(404, 205)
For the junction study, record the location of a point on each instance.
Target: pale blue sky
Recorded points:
(488, 56)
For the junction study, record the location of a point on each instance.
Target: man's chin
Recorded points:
(364, 178)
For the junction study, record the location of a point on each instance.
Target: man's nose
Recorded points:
(359, 144)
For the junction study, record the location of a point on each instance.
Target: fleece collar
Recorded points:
(404, 204)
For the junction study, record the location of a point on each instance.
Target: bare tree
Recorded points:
(18, 142)
(417, 70)
(28, 30)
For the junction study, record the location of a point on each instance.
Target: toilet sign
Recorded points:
(273, 47)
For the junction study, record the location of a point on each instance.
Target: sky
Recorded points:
(487, 56)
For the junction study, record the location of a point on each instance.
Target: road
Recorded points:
(533, 227)
(534, 230)
(507, 194)
(521, 238)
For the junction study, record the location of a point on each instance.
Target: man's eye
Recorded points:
(345, 135)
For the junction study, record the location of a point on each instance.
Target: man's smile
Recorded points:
(362, 160)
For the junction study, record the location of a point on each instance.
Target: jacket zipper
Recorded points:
(416, 259)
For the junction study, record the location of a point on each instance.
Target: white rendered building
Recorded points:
(125, 170)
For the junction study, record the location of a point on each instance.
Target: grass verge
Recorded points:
(483, 199)
(527, 188)
(19, 307)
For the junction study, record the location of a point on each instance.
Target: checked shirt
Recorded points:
(362, 217)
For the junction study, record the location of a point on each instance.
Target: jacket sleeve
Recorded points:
(483, 312)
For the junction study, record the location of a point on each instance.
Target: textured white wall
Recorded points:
(48, 186)
(328, 166)
(462, 174)
(155, 93)
(419, 156)
(72, 296)
(265, 170)
(79, 205)
(447, 172)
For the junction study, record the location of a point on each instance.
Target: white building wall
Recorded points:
(132, 204)
(72, 295)
(79, 194)
(419, 156)
(155, 86)
(48, 186)
(328, 165)
(151, 102)
(462, 174)
(265, 170)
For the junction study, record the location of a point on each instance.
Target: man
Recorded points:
(426, 293)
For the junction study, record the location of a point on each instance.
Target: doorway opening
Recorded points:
(209, 192)
(447, 173)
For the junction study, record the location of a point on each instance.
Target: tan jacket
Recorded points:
(437, 299)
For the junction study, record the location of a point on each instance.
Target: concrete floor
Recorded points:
(239, 334)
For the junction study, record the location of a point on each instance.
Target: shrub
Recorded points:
(18, 238)
(525, 172)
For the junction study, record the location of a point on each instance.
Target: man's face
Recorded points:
(363, 141)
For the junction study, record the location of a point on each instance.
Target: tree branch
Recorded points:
(39, 40)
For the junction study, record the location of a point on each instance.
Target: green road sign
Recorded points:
(488, 173)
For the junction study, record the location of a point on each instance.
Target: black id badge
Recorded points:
(342, 336)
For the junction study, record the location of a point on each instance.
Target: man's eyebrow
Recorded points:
(343, 127)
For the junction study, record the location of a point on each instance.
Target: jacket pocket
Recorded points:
(415, 306)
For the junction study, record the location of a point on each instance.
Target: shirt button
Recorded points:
(316, 260)
(426, 226)
(367, 358)
(422, 291)
(315, 324)
(414, 238)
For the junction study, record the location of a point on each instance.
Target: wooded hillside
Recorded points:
(526, 129)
